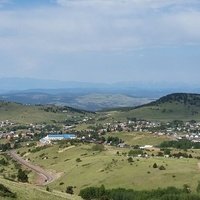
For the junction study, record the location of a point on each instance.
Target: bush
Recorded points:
(22, 176)
(3, 162)
(47, 189)
(78, 160)
(5, 192)
(162, 167)
(130, 159)
(69, 190)
(155, 165)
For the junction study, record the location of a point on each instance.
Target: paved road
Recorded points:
(45, 177)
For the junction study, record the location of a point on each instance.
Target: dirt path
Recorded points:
(65, 149)
(45, 177)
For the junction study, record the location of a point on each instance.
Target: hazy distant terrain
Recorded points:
(88, 96)
(91, 101)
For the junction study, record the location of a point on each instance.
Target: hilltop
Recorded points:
(177, 106)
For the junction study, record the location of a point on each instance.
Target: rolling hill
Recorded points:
(177, 106)
(24, 114)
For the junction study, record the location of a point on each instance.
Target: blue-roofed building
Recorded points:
(54, 137)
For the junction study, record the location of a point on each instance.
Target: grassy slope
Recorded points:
(163, 110)
(30, 114)
(27, 191)
(138, 138)
(114, 171)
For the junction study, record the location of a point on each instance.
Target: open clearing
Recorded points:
(139, 138)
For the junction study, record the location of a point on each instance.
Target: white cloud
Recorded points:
(32, 37)
(91, 28)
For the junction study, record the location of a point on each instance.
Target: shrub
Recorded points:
(155, 165)
(47, 189)
(5, 192)
(162, 167)
(130, 159)
(69, 190)
(78, 160)
(22, 176)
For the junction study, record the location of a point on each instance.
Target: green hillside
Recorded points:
(179, 106)
(27, 191)
(19, 113)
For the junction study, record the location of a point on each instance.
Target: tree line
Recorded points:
(170, 193)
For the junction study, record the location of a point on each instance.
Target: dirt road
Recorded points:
(45, 177)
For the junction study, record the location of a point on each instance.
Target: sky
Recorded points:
(101, 40)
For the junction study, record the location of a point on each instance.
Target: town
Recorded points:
(176, 130)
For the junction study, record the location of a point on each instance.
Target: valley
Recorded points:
(114, 148)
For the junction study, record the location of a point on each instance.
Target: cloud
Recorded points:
(94, 28)
(33, 37)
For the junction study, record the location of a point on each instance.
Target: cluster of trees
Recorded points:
(183, 98)
(180, 144)
(3, 162)
(5, 192)
(170, 193)
(22, 176)
(114, 140)
(5, 147)
(135, 152)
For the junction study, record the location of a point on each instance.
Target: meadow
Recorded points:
(139, 138)
(81, 167)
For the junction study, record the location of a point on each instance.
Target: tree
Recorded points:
(130, 159)
(22, 176)
(78, 160)
(47, 189)
(186, 188)
(162, 167)
(69, 190)
(155, 165)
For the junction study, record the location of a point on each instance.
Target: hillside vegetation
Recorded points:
(27, 191)
(178, 106)
(112, 168)
(19, 113)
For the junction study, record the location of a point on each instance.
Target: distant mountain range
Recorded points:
(89, 96)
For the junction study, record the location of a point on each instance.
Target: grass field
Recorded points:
(114, 170)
